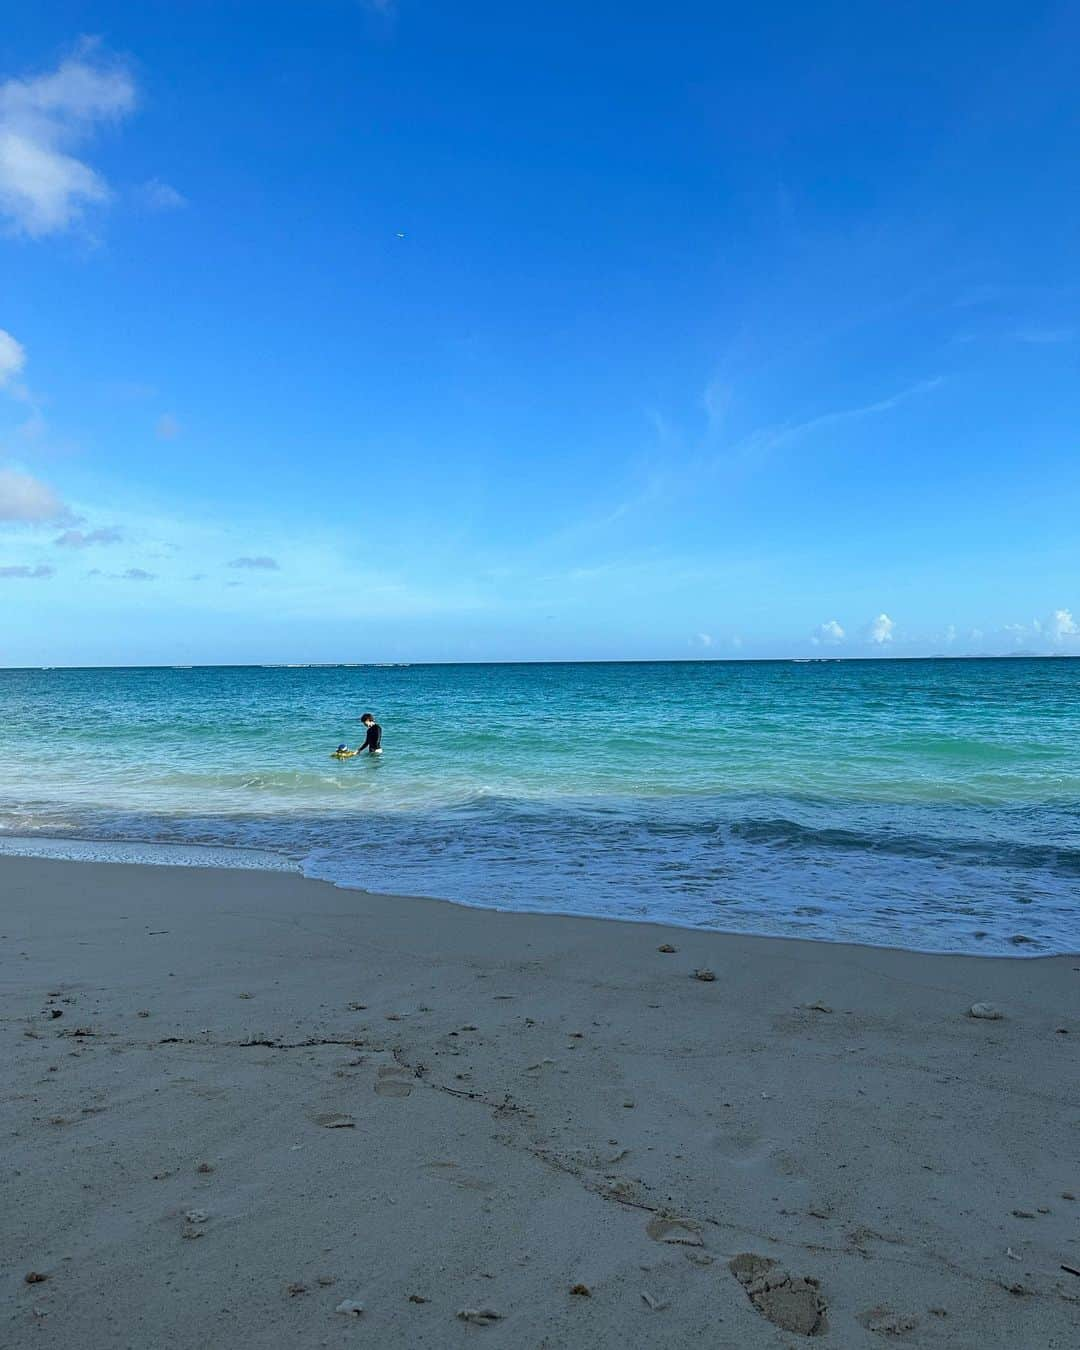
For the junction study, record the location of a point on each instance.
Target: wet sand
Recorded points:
(234, 1102)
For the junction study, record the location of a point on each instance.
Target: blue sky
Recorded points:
(408, 331)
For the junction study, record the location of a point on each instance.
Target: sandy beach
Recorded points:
(237, 1102)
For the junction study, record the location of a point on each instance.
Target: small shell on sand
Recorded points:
(666, 948)
(707, 975)
(668, 1228)
(987, 1011)
(335, 1120)
(349, 1307)
(481, 1317)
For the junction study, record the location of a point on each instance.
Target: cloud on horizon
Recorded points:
(881, 630)
(1062, 625)
(45, 189)
(110, 534)
(828, 633)
(38, 573)
(260, 564)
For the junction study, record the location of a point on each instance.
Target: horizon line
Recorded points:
(562, 661)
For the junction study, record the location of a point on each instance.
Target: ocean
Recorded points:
(933, 805)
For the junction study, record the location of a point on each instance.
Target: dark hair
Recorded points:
(366, 717)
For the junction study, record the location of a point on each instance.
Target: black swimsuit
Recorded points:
(374, 738)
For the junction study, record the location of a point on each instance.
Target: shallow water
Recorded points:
(927, 804)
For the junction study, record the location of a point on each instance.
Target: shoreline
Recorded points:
(391, 1099)
(210, 857)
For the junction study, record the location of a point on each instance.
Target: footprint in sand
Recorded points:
(884, 1322)
(393, 1081)
(791, 1303)
(741, 1144)
(451, 1172)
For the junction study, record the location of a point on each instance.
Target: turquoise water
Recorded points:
(926, 804)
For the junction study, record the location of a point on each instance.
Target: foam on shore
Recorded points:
(151, 854)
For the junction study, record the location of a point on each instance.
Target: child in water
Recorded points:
(373, 744)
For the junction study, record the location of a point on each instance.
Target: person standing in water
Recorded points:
(373, 744)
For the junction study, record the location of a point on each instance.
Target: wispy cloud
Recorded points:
(774, 437)
(44, 188)
(716, 401)
(168, 428)
(29, 501)
(12, 359)
(262, 564)
(39, 573)
(1044, 336)
(110, 534)
(157, 195)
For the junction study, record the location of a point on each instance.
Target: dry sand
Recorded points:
(523, 1105)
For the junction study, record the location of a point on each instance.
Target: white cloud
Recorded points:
(703, 639)
(1044, 336)
(12, 358)
(168, 428)
(28, 500)
(262, 564)
(157, 195)
(109, 534)
(44, 189)
(950, 632)
(38, 573)
(1062, 625)
(828, 633)
(775, 437)
(716, 401)
(881, 629)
